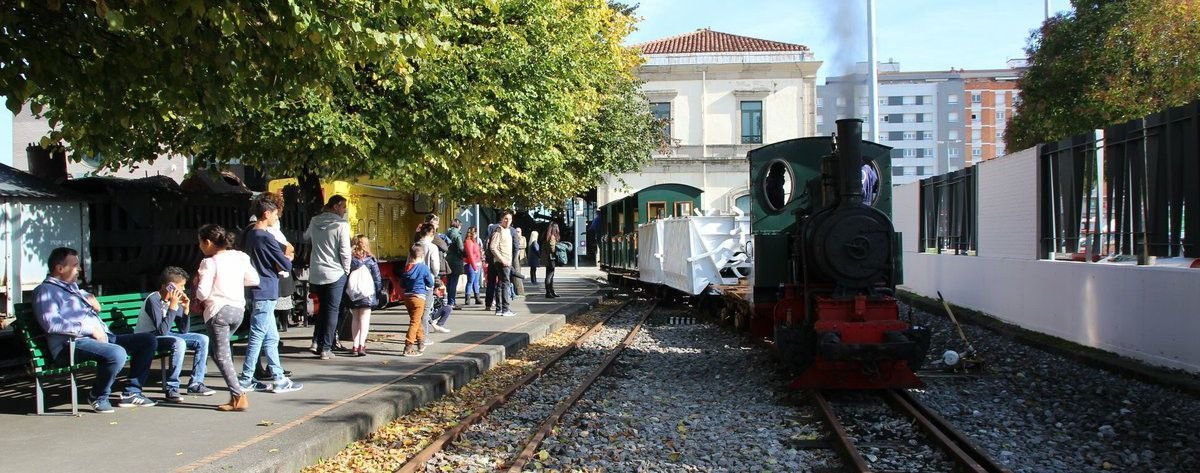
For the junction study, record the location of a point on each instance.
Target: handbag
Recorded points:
(360, 286)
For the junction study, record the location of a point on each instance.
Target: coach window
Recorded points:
(655, 210)
(777, 185)
(683, 209)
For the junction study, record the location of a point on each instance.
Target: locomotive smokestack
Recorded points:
(849, 160)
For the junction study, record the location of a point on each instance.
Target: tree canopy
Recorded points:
(1107, 62)
(498, 101)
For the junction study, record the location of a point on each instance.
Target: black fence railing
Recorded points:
(1132, 199)
(948, 213)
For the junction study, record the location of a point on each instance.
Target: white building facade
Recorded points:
(720, 95)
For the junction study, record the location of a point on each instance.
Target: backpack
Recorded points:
(560, 252)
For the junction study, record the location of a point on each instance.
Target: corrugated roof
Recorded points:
(709, 41)
(17, 183)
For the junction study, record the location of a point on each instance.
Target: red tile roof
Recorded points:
(709, 41)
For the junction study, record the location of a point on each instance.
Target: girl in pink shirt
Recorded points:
(224, 276)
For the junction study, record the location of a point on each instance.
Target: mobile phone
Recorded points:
(171, 287)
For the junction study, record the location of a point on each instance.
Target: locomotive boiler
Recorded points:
(827, 262)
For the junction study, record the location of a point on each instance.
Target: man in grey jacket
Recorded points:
(329, 267)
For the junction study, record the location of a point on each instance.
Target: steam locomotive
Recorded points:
(827, 262)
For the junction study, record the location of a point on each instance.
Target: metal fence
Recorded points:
(1126, 190)
(948, 213)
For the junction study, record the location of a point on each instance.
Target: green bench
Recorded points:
(120, 312)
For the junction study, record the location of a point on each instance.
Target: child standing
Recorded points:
(416, 281)
(224, 276)
(360, 256)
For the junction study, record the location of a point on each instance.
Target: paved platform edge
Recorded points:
(328, 433)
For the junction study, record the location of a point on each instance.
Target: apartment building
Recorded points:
(929, 118)
(719, 95)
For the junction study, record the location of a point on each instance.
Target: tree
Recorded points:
(1108, 62)
(133, 79)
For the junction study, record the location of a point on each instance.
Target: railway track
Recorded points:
(935, 431)
(564, 366)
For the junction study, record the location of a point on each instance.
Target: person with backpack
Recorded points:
(362, 288)
(549, 255)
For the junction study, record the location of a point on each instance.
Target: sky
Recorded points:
(922, 35)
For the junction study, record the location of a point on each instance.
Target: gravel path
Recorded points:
(1038, 412)
(496, 439)
(686, 398)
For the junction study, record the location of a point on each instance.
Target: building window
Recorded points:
(929, 152)
(976, 135)
(924, 135)
(897, 171)
(952, 152)
(662, 114)
(743, 204)
(1000, 99)
(921, 170)
(976, 152)
(952, 98)
(952, 117)
(752, 122)
(920, 99)
(894, 118)
(976, 97)
(820, 102)
(910, 135)
(820, 120)
(910, 152)
(922, 118)
(841, 101)
(895, 135)
(952, 135)
(999, 116)
(883, 137)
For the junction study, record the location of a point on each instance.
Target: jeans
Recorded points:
(452, 288)
(327, 317)
(441, 315)
(198, 344)
(426, 321)
(110, 357)
(472, 282)
(503, 288)
(264, 337)
(225, 322)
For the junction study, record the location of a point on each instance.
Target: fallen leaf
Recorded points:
(273, 450)
(178, 453)
(675, 456)
(543, 455)
(112, 423)
(265, 423)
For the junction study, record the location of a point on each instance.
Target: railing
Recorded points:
(948, 213)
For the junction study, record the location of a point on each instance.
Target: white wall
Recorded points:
(1142, 312)
(28, 129)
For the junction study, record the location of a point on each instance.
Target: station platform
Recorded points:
(343, 399)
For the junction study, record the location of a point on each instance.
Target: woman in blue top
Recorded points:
(361, 256)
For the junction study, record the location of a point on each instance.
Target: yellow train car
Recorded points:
(386, 215)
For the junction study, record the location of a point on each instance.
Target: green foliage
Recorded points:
(1110, 61)
(498, 101)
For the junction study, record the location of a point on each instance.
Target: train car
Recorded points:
(620, 220)
(827, 261)
(386, 215)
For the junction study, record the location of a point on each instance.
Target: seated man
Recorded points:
(66, 312)
(161, 312)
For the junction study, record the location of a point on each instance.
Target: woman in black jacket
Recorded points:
(547, 256)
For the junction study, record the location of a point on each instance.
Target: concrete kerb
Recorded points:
(328, 430)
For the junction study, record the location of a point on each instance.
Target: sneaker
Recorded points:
(102, 406)
(412, 351)
(173, 395)
(487, 307)
(440, 329)
(286, 386)
(199, 389)
(314, 349)
(248, 386)
(136, 400)
(421, 347)
(507, 313)
(325, 355)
